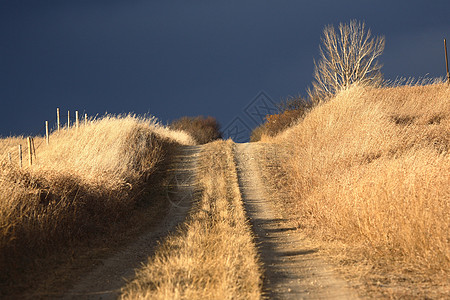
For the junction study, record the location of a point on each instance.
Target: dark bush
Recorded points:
(291, 109)
(203, 130)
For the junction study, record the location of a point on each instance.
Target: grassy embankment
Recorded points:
(212, 256)
(83, 185)
(368, 174)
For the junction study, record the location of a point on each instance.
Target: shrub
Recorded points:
(279, 122)
(203, 130)
(256, 133)
(292, 109)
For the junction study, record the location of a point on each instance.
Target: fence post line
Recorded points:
(76, 119)
(46, 132)
(446, 61)
(85, 119)
(68, 119)
(30, 152)
(57, 118)
(20, 156)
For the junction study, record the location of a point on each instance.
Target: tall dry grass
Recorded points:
(79, 186)
(370, 169)
(213, 255)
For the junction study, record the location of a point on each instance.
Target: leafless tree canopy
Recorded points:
(347, 56)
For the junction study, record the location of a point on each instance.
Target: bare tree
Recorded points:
(347, 56)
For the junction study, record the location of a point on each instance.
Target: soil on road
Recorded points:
(106, 280)
(293, 269)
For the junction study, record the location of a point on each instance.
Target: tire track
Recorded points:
(106, 280)
(292, 269)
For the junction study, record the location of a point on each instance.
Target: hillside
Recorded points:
(350, 201)
(85, 184)
(367, 174)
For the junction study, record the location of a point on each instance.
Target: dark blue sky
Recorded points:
(176, 58)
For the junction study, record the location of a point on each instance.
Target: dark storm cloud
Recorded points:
(174, 58)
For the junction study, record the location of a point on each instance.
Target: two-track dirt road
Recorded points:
(292, 269)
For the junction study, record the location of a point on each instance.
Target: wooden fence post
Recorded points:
(76, 119)
(33, 149)
(20, 156)
(85, 119)
(46, 132)
(446, 61)
(30, 152)
(68, 119)
(57, 118)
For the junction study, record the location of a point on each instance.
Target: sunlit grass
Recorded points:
(370, 169)
(79, 186)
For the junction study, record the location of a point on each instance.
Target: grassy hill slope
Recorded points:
(369, 172)
(85, 183)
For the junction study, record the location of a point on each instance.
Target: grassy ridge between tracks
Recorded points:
(213, 255)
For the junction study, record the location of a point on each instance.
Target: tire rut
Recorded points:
(106, 280)
(293, 270)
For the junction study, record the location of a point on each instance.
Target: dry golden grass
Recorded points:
(81, 185)
(370, 171)
(213, 255)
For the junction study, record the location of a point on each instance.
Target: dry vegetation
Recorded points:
(79, 187)
(203, 130)
(212, 256)
(368, 173)
(347, 56)
(291, 110)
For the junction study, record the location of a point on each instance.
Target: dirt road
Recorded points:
(106, 280)
(293, 270)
